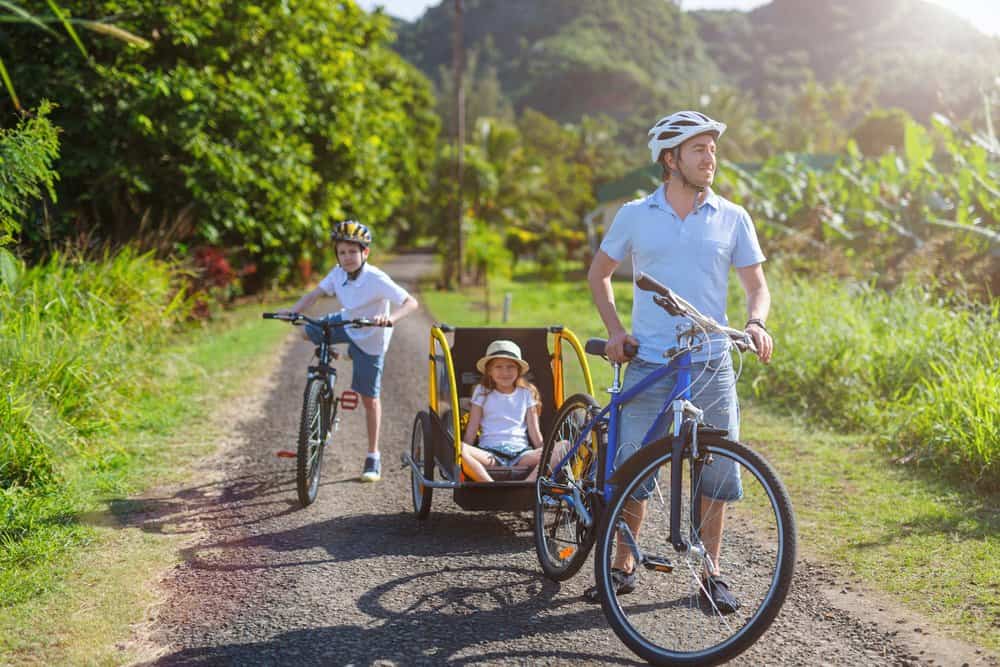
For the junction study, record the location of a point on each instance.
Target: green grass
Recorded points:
(932, 544)
(105, 391)
(922, 376)
(879, 373)
(83, 581)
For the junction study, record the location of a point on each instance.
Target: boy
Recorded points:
(363, 291)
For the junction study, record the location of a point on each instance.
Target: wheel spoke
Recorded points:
(672, 613)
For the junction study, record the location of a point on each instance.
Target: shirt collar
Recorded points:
(357, 281)
(658, 199)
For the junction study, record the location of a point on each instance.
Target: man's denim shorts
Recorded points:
(366, 378)
(714, 392)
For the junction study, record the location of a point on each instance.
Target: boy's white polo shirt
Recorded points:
(367, 296)
(690, 256)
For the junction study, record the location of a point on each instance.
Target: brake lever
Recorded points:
(746, 343)
(669, 303)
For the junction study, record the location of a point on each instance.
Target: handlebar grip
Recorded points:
(270, 316)
(644, 282)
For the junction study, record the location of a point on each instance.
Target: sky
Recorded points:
(984, 14)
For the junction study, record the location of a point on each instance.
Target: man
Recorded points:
(686, 237)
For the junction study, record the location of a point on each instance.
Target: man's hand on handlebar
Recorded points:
(615, 348)
(762, 340)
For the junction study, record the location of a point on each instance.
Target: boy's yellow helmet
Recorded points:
(353, 231)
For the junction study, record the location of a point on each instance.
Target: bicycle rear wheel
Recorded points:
(422, 453)
(562, 537)
(313, 429)
(668, 619)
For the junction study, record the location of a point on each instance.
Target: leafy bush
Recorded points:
(26, 156)
(266, 120)
(930, 212)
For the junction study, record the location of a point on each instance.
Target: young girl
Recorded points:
(506, 406)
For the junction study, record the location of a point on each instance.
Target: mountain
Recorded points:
(917, 55)
(570, 57)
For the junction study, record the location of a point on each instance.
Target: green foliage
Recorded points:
(72, 336)
(267, 121)
(27, 153)
(881, 130)
(919, 374)
(529, 181)
(929, 212)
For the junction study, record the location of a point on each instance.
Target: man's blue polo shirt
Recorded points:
(690, 256)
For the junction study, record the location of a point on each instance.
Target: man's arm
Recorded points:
(758, 306)
(599, 278)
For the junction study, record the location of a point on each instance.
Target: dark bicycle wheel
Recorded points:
(422, 454)
(669, 619)
(313, 430)
(562, 537)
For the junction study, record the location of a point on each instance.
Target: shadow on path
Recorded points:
(426, 619)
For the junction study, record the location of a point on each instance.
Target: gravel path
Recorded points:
(355, 579)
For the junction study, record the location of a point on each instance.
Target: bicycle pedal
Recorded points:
(657, 564)
(285, 454)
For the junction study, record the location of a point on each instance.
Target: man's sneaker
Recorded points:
(373, 470)
(624, 583)
(721, 597)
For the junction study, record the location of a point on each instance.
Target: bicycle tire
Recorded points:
(313, 430)
(422, 454)
(668, 621)
(562, 555)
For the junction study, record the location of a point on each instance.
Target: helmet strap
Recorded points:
(353, 275)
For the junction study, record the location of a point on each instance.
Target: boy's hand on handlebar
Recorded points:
(381, 321)
(615, 348)
(762, 340)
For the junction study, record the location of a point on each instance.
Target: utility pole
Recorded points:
(458, 66)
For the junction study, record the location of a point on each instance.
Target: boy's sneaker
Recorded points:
(373, 470)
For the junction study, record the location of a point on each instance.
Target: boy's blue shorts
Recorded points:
(366, 378)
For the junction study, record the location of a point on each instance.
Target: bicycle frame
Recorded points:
(324, 370)
(678, 403)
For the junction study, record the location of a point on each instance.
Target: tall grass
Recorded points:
(920, 375)
(74, 338)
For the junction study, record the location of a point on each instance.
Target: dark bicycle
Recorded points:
(584, 502)
(319, 403)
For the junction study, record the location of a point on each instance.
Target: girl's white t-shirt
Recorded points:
(504, 416)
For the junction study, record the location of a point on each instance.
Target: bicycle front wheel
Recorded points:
(564, 498)
(313, 429)
(667, 615)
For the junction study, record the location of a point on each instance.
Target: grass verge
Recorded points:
(85, 604)
(926, 539)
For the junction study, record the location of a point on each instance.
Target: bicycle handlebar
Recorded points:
(674, 304)
(295, 318)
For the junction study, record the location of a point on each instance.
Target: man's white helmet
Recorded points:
(675, 129)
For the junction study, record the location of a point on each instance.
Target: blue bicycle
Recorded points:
(656, 559)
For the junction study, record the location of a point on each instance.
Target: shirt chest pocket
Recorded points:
(713, 255)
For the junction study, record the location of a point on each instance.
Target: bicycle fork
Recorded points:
(686, 419)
